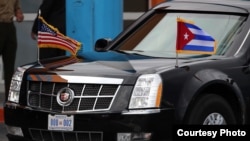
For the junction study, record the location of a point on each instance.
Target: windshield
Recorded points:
(157, 37)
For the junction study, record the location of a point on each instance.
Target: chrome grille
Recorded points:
(88, 97)
(45, 135)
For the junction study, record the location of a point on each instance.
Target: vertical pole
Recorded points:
(89, 20)
(108, 17)
(79, 22)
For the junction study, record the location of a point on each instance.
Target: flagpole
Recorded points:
(176, 63)
(38, 49)
(177, 43)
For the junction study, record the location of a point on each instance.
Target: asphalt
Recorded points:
(3, 132)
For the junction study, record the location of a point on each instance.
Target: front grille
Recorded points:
(45, 135)
(87, 97)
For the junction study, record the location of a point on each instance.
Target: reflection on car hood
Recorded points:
(111, 64)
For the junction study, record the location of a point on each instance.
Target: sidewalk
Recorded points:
(1, 101)
(1, 93)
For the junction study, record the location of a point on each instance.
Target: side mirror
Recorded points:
(102, 44)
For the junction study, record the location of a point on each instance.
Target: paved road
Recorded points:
(3, 132)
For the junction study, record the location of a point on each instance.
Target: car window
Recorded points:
(157, 36)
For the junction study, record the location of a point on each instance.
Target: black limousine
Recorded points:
(181, 63)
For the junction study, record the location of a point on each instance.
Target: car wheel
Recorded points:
(211, 109)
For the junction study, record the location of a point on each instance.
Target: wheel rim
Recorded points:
(214, 119)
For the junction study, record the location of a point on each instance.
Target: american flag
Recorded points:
(50, 37)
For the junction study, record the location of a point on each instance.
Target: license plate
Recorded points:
(61, 122)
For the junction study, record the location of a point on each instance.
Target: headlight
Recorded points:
(15, 85)
(147, 92)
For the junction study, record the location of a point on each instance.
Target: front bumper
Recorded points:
(89, 126)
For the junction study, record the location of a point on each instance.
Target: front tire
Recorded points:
(211, 109)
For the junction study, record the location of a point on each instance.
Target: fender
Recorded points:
(197, 85)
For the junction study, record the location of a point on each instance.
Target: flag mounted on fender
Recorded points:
(192, 39)
(50, 37)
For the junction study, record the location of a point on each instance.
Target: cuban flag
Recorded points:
(192, 39)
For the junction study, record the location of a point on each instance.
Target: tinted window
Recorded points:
(157, 36)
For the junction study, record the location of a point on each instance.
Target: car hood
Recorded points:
(116, 66)
(76, 66)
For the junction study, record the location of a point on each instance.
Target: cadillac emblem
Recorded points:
(65, 96)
